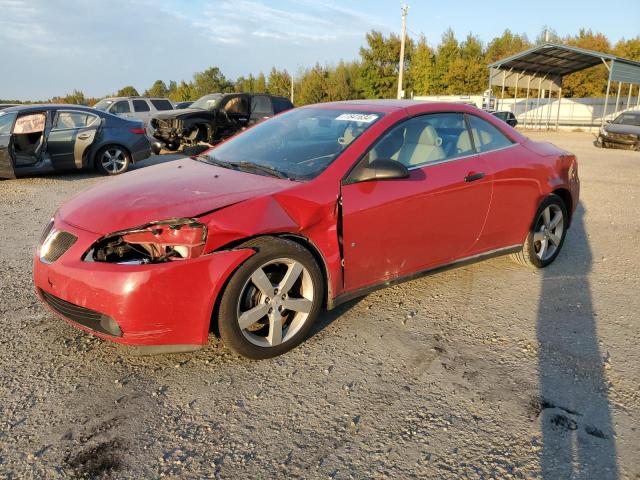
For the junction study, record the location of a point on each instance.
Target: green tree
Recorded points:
(506, 45)
(210, 81)
(279, 82)
(380, 63)
(172, 90)
(592, 81)
(184, 92)
(447, 53)
(311, 88)
(260, 85)
(628, 48)
(127, 91)
(422, 68)
(158, 89)
(340, 83)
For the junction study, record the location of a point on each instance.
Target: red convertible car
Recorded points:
(306, 210)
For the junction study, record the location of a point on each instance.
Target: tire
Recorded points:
(172, 146)
(112, 160)
(253, 303)
(546, 235)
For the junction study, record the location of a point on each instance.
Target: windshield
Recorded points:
(207, 102)
(103, 105)
(628, 119)
(298, 144)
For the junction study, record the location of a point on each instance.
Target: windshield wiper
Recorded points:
(260, 168)
(214, 161)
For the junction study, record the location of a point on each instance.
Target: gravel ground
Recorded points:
(485, 371)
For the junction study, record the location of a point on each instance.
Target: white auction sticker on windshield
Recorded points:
(357, 117)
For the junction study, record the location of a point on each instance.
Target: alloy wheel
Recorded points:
(275, 302)
(114, 160)
(548, 232)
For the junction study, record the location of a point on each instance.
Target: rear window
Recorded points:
(281, 104)
(68, 120)
(141, 106)
(162, 104)
(628, 119)
(261, 104)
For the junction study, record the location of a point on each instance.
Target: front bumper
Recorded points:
(619, 141)
(150, 305)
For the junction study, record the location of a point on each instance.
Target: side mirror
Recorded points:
(380, 169)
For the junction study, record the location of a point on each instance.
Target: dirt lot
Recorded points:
(486, 371)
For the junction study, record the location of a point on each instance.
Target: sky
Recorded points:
(51, 47)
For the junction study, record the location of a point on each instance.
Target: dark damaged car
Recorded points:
(213, 118)
(623, 132)
(37, 139)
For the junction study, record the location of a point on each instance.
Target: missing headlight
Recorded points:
(157, 242)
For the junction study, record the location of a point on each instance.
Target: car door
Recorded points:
(141, 110)
(6, 163)
(72, 134)
(261, 108)
(393, 228)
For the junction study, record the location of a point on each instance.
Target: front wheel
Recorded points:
(272, 300)
(546, 236)
(112, 160)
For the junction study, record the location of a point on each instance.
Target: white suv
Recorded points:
(140, 108)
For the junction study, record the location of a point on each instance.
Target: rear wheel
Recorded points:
(546, 237)
(112, 160)
(272, 300)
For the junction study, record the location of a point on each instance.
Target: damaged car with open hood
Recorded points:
(304, 211)
(213, 118)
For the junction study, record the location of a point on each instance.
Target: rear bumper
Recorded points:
(141, 150)
(168, 304)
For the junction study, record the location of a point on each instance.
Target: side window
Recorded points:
(140, 106)
(161, 104)
(425, 139)
(261, 104)
(6, 122)
(67, 120)
(281, 104)
(121, 106)
(237, 106)
(486, 137)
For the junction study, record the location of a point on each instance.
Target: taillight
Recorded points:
(138, 131)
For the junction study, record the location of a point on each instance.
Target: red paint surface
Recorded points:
(390, 228)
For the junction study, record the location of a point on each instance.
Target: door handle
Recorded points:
(84, 136)
(473, 177)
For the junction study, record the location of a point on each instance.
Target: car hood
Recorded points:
(182, 113)
(624, 129)
(182, 188)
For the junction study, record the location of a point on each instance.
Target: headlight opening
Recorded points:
(156, 242)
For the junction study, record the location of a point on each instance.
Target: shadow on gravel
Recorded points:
(328, 317)
(72, 175)
(573, 406)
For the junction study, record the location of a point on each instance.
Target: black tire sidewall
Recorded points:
(98, 160)
(550, 200)
(228, 326)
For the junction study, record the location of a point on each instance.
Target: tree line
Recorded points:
(453, 67)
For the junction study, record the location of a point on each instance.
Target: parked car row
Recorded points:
(48, 138)
(622, 132)
(120, 131)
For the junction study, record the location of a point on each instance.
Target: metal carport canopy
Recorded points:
(543, 66)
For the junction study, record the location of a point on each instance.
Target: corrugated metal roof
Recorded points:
(555, 59)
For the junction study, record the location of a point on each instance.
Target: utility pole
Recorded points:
(292, 88)
(405, 9)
